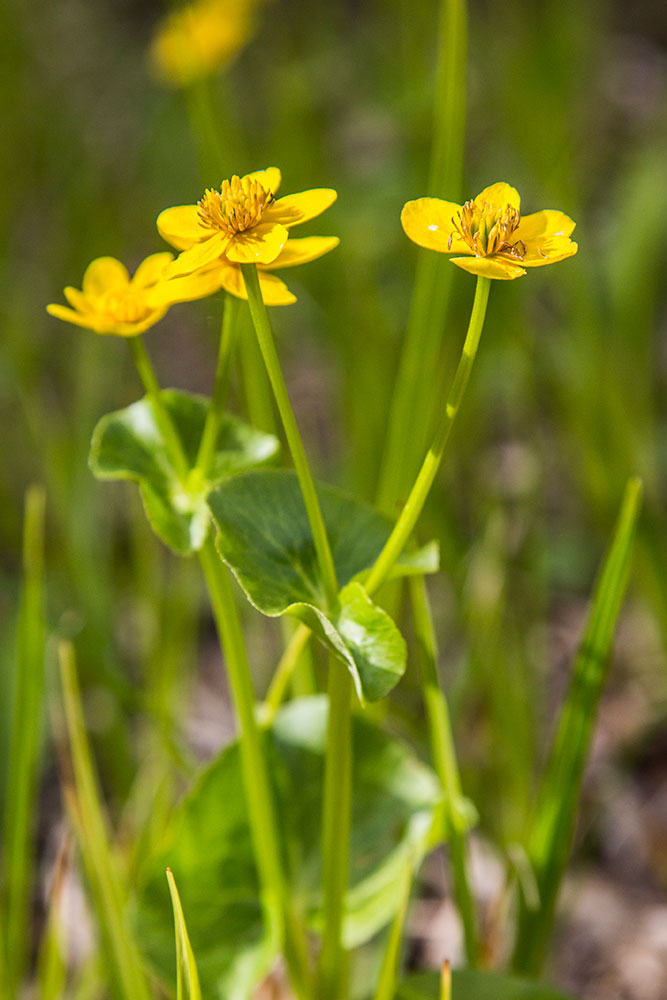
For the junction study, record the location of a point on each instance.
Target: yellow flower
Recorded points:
(113, 303)
(498, 241)
(242, 222)
(199, 38)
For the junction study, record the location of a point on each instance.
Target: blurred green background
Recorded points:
(568, 103)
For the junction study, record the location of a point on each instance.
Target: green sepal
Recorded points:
(128, 444)
(471, 984)
(208, 847)
(265, 538)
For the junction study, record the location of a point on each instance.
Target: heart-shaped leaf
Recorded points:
(208, 847)
(265, 538)
(128, 444)
(470, 984)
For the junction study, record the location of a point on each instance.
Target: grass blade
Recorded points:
(186, 967)
(555, 815)
(87, 816)
(26, 738)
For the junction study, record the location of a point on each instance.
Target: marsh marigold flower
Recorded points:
(498, 242)
(201, 37)
(111, 302)
(242, 223)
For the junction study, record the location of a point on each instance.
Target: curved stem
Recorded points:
(216, 408)
(286, 666)
(261, 807)
(332, 972)
(415, 502)
(265, 337)
(444, 762)
(162, 418)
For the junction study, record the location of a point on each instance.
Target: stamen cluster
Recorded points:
(487, 230)
(236, 207)
(124, 306)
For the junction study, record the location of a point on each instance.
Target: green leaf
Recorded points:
(186, 966)
(468, 984)
(128, 444)
(558, 798)
(264, 536)
(208, 847)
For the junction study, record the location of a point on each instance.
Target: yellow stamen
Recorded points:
(237, 206)
(123, 306)
(487, 230)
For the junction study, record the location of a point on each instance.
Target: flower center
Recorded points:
(487, 230)
(124, 306)
(237, 206)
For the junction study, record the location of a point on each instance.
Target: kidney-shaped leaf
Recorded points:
(265, 538)
(469, 984)
(207, 845)
(128, 444)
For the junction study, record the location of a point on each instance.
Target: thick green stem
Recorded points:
(216, 409)
(265, 337)
(261, 807)
(444, 761)
(332, 982)
(162, 418)
(411, 412)
(415, 502)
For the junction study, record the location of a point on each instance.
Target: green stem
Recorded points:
(336, 833)
(443, 754)
(162, 418)
(410, 415)
(261, 807)
(286, 667)
(415, 502)
(391, 960)
(216, 410)
(265, 337)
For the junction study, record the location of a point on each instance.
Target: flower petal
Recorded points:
(77, 299)
(300, 251)
(87, 320)
(192, 286)
(104, 274)
(550, 253)
(499, 194)
(181, 226)
(259, 245)
(489, 267)
(274, 291)
(294, 209)
(543, 225)
(429, 223)
(269, 178)
(150, 270)
(198, 256)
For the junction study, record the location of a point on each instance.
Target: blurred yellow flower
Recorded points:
(498, 241)
(113, 303)
(242, 223)
(199, 38)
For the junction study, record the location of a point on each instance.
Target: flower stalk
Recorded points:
(216, 408)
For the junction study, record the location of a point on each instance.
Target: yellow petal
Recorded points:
(150, 270)
(429, 223)
(259, 245)
(300, 251)
(181, 227)
(104, 274)
(269, 178)
(550, 253)
(543, 226)
(198, 256)
(489, 267)
(87, 320)
(185, 289)
(499, 194)
(274, 291)
(77, 299)
(294, 209)
(134, 329)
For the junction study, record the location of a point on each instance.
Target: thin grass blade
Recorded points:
(556, 810)
(186, 967)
